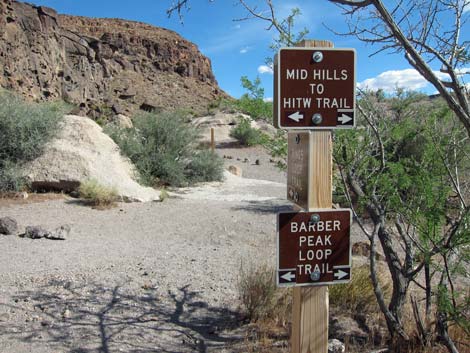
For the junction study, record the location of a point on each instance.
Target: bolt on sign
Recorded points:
(316, 88)
(314, 248)
(299, 167)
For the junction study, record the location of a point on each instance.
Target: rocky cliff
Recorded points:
(100, 65)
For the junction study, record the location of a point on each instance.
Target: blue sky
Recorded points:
(239, 48)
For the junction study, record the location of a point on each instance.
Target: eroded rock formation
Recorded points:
(100, 65)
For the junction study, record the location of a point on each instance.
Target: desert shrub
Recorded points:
(205, 166)
(25, 128)
(245, 134)
(96, 194)
(11, 178)
(261, 299)
(164, 150)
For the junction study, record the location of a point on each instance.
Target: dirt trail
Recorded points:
(149, 277)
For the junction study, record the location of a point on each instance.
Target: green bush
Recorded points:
(96, 194)
(11, 178)
(25, 128)
(164, 150)
(247, 135)
(206, 166)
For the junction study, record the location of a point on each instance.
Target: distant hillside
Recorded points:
(101, 65)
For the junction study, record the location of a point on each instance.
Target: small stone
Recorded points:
(235, 170)
(257, 162)
(35, 232)
(66, 314)
(246, 160)
(122, 121)
(336, 346)
(60, 233)
(8, 226)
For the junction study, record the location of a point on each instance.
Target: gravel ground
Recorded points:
(150, 277)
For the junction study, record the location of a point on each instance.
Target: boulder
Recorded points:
(235, 170)
(222, 124)
(35, 232)
(122, 121)
(60, 233)
(336, 346)
(346, 328)
(83, 151)
(8, 226)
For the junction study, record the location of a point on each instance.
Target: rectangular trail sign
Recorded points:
(299, 167)
(316, 88)
(314, 248)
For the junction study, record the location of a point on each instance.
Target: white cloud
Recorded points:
(244, 50)
(265, 69)
(389, 81)
(268, 99)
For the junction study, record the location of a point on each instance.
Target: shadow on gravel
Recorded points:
(92, 318)
(263, 207)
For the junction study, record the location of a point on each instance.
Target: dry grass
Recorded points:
(358, 295)
(98, 195)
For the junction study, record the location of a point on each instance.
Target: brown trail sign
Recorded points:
(315, 88)
(299, 167)
(314, 248)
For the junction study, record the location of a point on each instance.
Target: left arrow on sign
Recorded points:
(296, 116)
(289, 276)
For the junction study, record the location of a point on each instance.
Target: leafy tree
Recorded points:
(252, 102)
(405, 174)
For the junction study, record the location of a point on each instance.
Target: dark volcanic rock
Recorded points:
(35, 232)
(8, 226)
(99, 64)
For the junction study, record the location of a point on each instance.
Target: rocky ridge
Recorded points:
(104, 66)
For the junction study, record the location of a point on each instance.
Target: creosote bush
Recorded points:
(247, 135)
(163, 147)
(25, 128)
(261, 299)
(96, 194)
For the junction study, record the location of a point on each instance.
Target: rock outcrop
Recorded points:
(83, 151)
(104, 66)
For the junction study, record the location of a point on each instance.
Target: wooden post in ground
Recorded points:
(310, 304)
(212, 139)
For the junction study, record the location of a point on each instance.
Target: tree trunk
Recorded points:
(400, 286)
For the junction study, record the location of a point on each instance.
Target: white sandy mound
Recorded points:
(223, 123)
(82, 151)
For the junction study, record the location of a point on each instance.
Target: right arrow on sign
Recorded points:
(344, 119)
(341, 272)
(296, 116)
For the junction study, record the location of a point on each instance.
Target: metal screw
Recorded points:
(317, 56)
(315, 218)
(317, 119)
(315, 276)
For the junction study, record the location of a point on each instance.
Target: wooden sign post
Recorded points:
(314, 90)
(310, 304)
